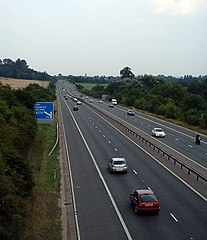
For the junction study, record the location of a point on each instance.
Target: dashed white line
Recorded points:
(176, 139)
(190, 146)
(135, 172)
(173, 217)
(109, 142)
(104, 136)
(99, 130)
(115, 149)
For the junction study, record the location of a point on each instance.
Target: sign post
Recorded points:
(44, 112)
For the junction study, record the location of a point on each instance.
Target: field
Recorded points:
(88, 86)
(22, 83)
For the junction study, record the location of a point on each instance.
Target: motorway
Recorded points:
(102, 199)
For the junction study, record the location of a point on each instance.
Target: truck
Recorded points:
(114, 101)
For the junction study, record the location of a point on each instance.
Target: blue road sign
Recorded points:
(44, 110)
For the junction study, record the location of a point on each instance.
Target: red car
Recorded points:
(144, 201)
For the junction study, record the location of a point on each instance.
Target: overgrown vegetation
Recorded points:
(18, 131)
(20, 70)
(157, 96)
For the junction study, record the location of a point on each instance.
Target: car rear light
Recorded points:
(113, 166)
(141, 204)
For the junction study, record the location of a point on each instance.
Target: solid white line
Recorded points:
(200, 195)
(71, 180)
(173, 217)
(164, 143)
(104, 183)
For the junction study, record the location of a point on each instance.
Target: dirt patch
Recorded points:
(22, 83)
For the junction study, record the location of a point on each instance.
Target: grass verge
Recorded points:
(42, 210)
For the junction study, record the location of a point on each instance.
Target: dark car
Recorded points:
(144, 201)
(111, 105)
(130, 112)
(75, 108)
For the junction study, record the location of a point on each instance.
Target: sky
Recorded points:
(101, 37)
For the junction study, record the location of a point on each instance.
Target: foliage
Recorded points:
(158, 96)
(18, 129)
(126, 73)
(20, 70)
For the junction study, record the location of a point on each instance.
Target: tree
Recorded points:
(126, 73)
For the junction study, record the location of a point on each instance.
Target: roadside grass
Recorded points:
(43, 213)
(89, 86)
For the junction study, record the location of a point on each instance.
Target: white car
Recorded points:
(100, 101)
(78, 102)
(158, 132)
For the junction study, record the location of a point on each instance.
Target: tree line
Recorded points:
(19, 69)
(18, 129)
(156, 95)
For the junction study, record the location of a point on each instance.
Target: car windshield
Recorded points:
(148, 198)
(118, 162)
(158, 130)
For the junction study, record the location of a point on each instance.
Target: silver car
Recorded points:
(117, 165)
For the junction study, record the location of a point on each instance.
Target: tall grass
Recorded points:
(43, 220)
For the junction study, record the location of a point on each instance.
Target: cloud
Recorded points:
(176, 7)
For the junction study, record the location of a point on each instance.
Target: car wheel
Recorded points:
(136, 210)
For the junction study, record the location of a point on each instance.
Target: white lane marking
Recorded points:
(104, 136)
(109, 142)
(149, 188)
(96, 127)
(99, 130)
(173, 217)
(103, 181)
(176, 139)
(190, 146)
(194, 190)
(106, 187)
(115, 149)
(148, 125)
(135, 172)
(162, 142)
(71, 179)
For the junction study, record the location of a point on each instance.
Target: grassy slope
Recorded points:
(89, 86)
(43, 213)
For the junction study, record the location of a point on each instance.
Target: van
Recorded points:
(114, 101)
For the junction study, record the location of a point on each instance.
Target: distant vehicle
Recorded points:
(66, 97)
(86, 97)
(75, 99)
(100, 101)
(111, 105)
(158, 132)
(198, 139)
(144, 201)
(78, 102)
(130, 112)
(75, 108)
(114, 101)
(91, 100)
(117, 165)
